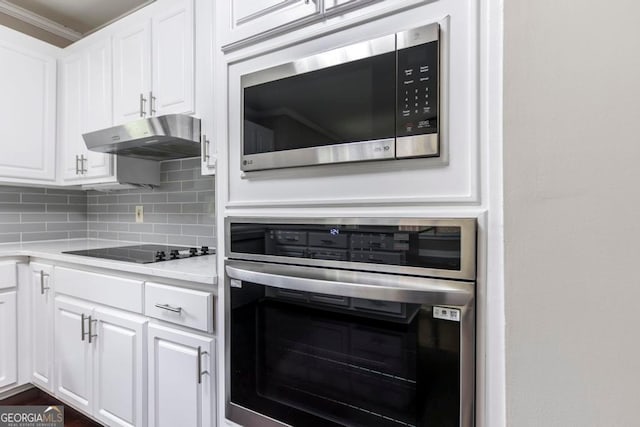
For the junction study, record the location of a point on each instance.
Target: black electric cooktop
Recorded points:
(145, 254)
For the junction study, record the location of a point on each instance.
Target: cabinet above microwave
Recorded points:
(374, 100)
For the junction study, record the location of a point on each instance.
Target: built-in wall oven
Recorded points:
(374, 100)
(350, 322)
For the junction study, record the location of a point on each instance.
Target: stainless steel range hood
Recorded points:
(174, 136)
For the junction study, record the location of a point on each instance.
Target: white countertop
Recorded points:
(201, 269)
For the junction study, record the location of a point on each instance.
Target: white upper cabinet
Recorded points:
(248, 19)
(246, 22)
(98, 102)
(331, 6)
(132, 71)
(154, 64)
(173, 60)
(204, 102)
(70, 113)
(85, 105)
(27, 108)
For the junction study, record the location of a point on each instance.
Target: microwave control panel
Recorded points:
(417, 106)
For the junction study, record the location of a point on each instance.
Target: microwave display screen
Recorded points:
(350, 102)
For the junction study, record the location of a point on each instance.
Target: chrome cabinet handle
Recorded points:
(142, 106)
(151, 103)
(199, 367)
(83, 331)
(42, 286)
(90, 333)
(169, 308)
(83, 168)
(77, 168)
(205, 143)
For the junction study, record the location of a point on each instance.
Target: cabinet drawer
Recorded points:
(8, 278)
(101, 288)
(186, 307)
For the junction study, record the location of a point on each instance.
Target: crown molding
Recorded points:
(39, 21)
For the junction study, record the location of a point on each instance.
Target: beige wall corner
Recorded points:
(572, 212)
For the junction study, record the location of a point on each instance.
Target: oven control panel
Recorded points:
(434, 247)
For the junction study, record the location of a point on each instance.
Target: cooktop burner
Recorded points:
(144, 254)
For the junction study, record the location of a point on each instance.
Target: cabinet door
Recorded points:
(204, 70)
(73, 353)
(8, 339)
(27, 113)
(338, 6)
(42, 325)
(98, 104)
(132, 72)
(173, 60)
(252, 18)
(118, 368)
(180, 395)
(71, 106)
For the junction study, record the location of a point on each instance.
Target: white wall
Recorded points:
(572, 212)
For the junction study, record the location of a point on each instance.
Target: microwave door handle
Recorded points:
(408, 289)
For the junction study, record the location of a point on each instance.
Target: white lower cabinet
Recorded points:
(9, 339)
(73, 353)
(181, 378)
(99, 355)
(119, 368)
(41, 317)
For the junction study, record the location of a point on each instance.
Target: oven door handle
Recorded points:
(387, 287)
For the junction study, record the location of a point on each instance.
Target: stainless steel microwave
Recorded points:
(374, 100)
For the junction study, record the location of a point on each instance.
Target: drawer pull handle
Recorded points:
(169, 308)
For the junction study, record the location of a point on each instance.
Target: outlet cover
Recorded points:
(139, 214)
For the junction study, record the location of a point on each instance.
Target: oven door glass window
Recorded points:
(322, 360)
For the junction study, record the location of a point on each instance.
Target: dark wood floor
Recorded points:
(35, 396)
